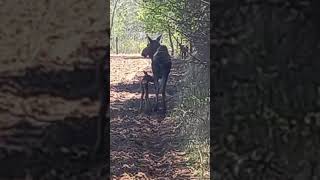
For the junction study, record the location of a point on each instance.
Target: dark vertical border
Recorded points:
(212, 52)
(287, 146)
(108, 155)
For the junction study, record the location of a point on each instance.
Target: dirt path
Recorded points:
(142, 146)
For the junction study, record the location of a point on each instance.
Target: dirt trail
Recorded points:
(142, 146)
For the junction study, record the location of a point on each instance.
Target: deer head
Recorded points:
(152, 47)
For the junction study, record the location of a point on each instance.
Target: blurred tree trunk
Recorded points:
(270, 104)
(113, 13)
(117, 49)
(170, 39)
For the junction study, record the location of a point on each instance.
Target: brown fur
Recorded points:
(184, 49)
(161, 67)
(144, 86)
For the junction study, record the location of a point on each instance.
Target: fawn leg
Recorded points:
(142, 94)
(147, 103)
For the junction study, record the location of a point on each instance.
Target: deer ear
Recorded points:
(149, 38)
(159, 38)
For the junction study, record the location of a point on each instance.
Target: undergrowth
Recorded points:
(192, 116)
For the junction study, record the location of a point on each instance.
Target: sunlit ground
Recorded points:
(127, 55)
(124, 67)
(123, 70)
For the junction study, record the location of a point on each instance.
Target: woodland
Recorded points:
(186, 125)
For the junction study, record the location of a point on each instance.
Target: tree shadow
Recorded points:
(143, 142)
(68, 84)
(134, 87)
(51, 146)
(140, 141)
(63, 145)
(130, 57)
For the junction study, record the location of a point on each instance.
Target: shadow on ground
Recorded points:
(145, 146)
(68, 84)
(59, 149)
(134, 87)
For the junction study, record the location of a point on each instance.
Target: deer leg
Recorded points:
(163, 92)
(147, 104)
(142, 94)
(156, 84)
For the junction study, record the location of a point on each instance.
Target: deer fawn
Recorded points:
(184, 49)
(144, 83)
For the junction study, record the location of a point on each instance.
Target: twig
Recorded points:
(206, 2)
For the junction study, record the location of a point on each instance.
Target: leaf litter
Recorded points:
(142, 146)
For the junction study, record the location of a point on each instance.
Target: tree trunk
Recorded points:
(102, 84)
(181, 46)
(171, 43)
(113, 12)
(117, 45)
(178, 46)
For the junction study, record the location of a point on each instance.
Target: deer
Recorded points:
(160, 65)
(144, 86)
(184, 49)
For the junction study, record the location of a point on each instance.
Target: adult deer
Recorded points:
(161, 66)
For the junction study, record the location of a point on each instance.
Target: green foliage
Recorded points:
(162, 16)
(126, 27)
(152, 14)
(188, 20)
(133, 19)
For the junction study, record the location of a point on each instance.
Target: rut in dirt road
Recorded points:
(143, 146)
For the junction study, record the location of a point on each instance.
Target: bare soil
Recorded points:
(143, 146)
